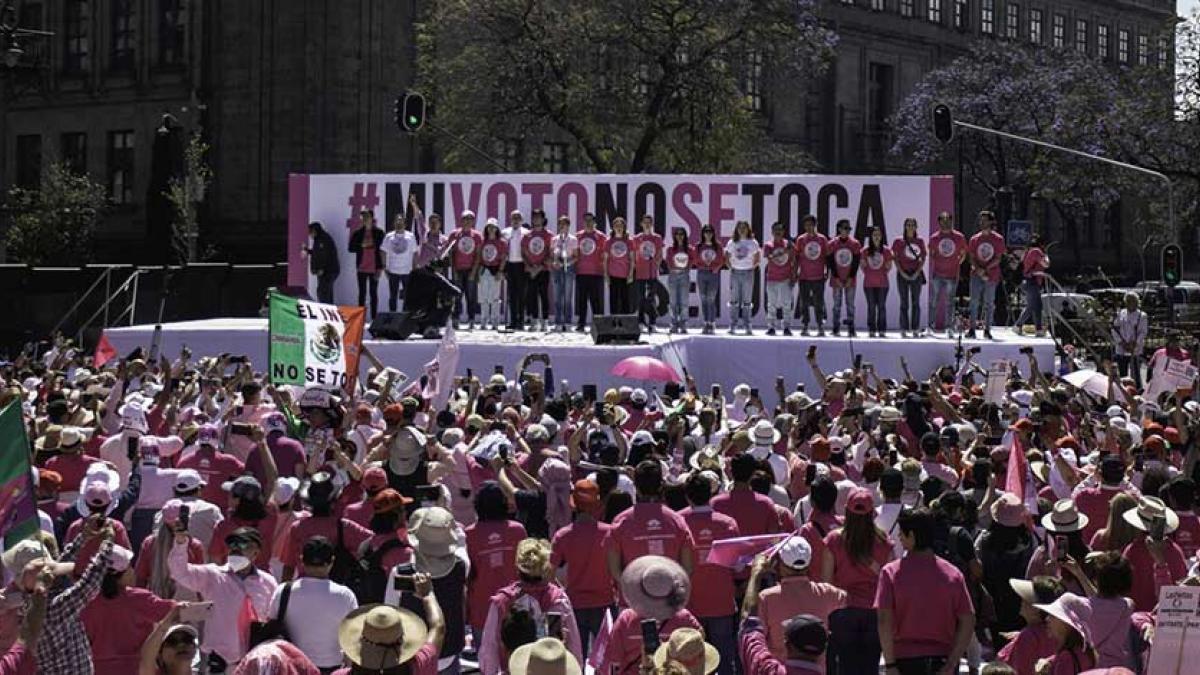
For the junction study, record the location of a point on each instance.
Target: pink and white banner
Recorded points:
(691, 200)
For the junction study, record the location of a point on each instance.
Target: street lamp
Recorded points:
(12, 55)
(11, 34)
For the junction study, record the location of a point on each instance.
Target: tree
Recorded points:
(634, 85)
(53, 225)
(1055, 95)
(185, 194)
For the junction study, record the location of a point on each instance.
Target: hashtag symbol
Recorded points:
(365, 197)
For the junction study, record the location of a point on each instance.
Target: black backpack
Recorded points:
(370, 582)
(344, 565)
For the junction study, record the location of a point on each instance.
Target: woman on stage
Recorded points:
(708, 258)
(618, 267)
(743, 253)
(909, 253)
(877, 262)
(492, 256)
(679, 277)
(535, 249)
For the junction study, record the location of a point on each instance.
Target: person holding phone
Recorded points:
(170, 648)
(1155, 559)
(1064, 551)
(120, 619)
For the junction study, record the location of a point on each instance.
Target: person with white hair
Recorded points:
(1129, 329)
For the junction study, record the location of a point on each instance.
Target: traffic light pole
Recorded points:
(1079, 153)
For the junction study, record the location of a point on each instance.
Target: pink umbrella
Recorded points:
(645, 368)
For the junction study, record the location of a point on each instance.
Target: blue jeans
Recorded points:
(679, 285)
(564, 290)
(983, 301)
(741, 296)
(941, 306)
(843, 294)
(910, 303)
(721, 632)
(779, 301)
(1033, 304)
(708, 283)
(854, 642)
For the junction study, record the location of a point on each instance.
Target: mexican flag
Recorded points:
(314, 345)
(18, 502)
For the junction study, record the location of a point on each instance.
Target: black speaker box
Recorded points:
(615, 329)
(393, 326)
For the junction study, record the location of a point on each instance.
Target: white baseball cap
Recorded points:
(796, 553)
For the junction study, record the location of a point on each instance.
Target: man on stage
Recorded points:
(986, 250)
(947, 248)
(514, 271)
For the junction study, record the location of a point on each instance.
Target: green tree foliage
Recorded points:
(53, 225)
(185, 194)
(635, 85)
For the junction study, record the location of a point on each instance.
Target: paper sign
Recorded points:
(997, 378)
(1169, 375)
(1176, 645)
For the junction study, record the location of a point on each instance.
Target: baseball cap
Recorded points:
(806, 634)
(187, 480)
(170, 511)
(242, 536)
(274, 422)
(317, 551)
(388, 501)
(97, 493)
(374, 479)
(638, 396)
(796, 553)
(285, 489)
(244, 487)
(641, 437)
(585, 495)
(207, 435)
(860, 502)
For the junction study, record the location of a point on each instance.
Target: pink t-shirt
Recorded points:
(753, 513)
(1145, 586)
(679, 259)
(535, 246)
(591, 252)
(1093, 503)
(650, 529)
(875, 268)
(625, 642)
(215, 468)
(648, 251)
(492, 550)
(465, 248)
(1188, 534)
(72, 467)
(811, 250)
(1032, 265)
(843, 252)
(1031, 644)
(858, 580)
(493, 253)
(908, 254)
(266, 529)
(307, 526)
(945, 253)
(780, 261)
(581, 547)
(926, 596)
(708, 256)
(793, 596)
(985, 249)
(618, 249)
(117, 627)
(366, 262)
(717, 597)
(89, 548)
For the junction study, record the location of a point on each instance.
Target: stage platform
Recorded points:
(728, 359)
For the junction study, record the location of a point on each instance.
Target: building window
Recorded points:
(170, 32)
(554, 157)
(962, 14)
(72, 147)
(935, 11)
(1012, 21)
(880, 92)
(1035, 26)
(987, 17)
(1143, 48)
(753, 84)
(1102, 47)
(1163, 53)
(878, 5)
(1058, 36)
(1123, 46)
(122, 35)
(1081, 36)
(29, 161)
(907, 7)
(77, 16)
(120, 167)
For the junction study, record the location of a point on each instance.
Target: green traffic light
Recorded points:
(412, 120)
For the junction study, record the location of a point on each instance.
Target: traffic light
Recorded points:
(1172, 265)
(410, 112)
(943, 123)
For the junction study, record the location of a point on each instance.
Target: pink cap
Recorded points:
(860, 502)
(170, 511)
(374, 479)
(208, 433)
(97, 494)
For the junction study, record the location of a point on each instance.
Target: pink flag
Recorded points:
(1019, 479)
(600, 643)
(738, 552)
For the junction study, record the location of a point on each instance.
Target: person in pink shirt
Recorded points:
(716, 606)
(796, 593)
(320, 494)
(121, 617)
(1180, 494)
(214, 466)
(618, 268)
(1067, 619)
(947, 249)
(388, 545)
(656, 588)
(843, 257)
(577, 553)
(1156, 560)
(374, 480)
(754, 513)
(535, 251)
(589, 271)
(1034, 642)
(650, 527)
(926, 619)
(71, 463)
(708, 257)
(909, 252)
(365, 244)
(647, 257)
(250, 508)
(780, 279)
(492, 551)
(986, 252)
(465, 243)
(96, 503)
(1093, 500)
(877, 264)
(812, 249)
(493, 253)
(1034, 264)
(853, 557)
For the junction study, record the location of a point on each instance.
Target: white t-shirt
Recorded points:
(399, 249)
(740, 254)
(514, 236)
(315, 610)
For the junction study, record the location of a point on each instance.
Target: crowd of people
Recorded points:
(536, 277)
(197, 518)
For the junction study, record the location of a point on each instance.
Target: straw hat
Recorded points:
(1008, 510)
(655, 587)
(687, 647)
(378, 637)
(1149, 509)
(533, 557)
(547, 656)
(1064, 518)
(765, 433)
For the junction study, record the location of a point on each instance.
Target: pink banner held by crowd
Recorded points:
(738, 552)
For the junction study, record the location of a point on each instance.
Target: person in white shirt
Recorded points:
(315, 606)
(203, 516)
(891, 487)
(565, 251)
(743, 253)
(399, 248)
(1129, 338)
(514, 271)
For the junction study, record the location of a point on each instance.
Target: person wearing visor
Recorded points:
(249, 508)
(171, 647)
